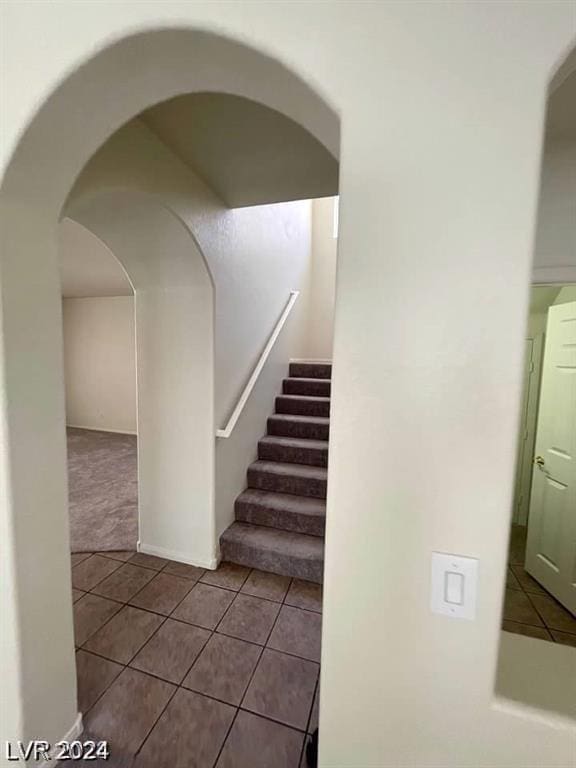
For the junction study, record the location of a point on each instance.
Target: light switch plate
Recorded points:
(454, 584)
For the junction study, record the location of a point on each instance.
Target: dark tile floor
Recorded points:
(528, 608)
(184, 668)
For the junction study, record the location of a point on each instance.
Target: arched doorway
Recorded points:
(155, 66)
(174, 312)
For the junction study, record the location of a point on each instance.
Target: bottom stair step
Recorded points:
(268, 549)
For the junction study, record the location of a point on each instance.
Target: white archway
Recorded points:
(116, 84)
(174, 314)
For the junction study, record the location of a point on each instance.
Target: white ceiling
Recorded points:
(247, 153)
(87, 266)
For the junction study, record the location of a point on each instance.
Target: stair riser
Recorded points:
(291, 455)
(273, 562)
(298, 429)
(278, 518)
(313, 388)
(303, 407)
(311, 370)
(299, 486)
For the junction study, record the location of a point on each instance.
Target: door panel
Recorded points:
(553, 501)
(551, 547)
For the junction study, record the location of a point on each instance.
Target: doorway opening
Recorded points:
(100, 383)
(537, 645)
(157, 231)
(540, 596)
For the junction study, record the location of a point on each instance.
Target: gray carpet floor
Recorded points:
(103, 491)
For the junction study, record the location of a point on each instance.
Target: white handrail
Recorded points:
(227, 431)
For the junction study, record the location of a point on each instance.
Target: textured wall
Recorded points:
(322, 280)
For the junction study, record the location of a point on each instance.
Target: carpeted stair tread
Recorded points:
(303, 405)
(293, 450)
(284, 511)
(310, 369)
(291, 425)
(268, 549)
(306, 386)
(299, 479)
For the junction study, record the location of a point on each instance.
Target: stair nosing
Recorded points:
(300, 417)
(305, 378)
(270, 464)
(307, 442)
(313, 398)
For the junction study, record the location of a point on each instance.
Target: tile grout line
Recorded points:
(307, 732)
(109, 684)
(155, 723)
(225, 739)
(539, 614)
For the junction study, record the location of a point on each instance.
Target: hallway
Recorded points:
(178, 666)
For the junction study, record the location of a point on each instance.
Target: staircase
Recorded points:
(280, 517)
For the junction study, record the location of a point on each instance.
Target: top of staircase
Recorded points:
(310, 369)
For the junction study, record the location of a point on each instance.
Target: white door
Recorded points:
(527, 431)
(551, 547)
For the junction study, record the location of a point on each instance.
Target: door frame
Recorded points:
(526, 444)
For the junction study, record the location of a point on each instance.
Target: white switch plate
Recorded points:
(454, 583)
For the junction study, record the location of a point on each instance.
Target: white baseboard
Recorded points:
(179, 557)
(74, 733)
(103, 429)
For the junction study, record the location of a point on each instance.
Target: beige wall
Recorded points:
(99, 363)
(442, 113)
(322, 280)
